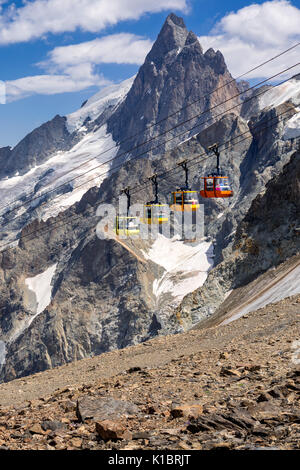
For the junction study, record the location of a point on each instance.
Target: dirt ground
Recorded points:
(234, 386)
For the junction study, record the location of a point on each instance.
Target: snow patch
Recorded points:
(286, 287)
(41, 295)
(2, 353)
(186, 267)
(279, 94)
(109, 96)
(292, 129)
(40, 285)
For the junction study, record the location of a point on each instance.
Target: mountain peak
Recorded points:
(176, 20)
(191, 38)
(216, 60)
(172, 36)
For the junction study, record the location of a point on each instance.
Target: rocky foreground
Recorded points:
(232, 387)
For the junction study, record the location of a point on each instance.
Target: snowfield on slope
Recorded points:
(39, 296)
(109, 96)
(289, 90)
(40, 285)
(86, 161)
(96, 147)
(186, 267)
(286, 287)
(292, 128)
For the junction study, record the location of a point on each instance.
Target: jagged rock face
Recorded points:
(4, 155)
(175, 74)
(251, 105)
(267, 236)
(102, 292)
(102, 296)
(269, 233)
(36, 147)
(98, 307)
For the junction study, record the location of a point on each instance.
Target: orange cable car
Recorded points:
(216, 185)
(184, 199)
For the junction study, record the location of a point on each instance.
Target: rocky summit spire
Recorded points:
(175, 73)
(172, 37)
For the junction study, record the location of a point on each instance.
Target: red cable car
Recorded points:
(216, 185)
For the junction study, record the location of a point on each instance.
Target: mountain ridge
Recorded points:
(104, 294)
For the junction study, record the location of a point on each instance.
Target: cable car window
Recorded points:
(209, 184)
(132, 224)
(191, 198)
(224, 185)
(178, 198)
(157, 211)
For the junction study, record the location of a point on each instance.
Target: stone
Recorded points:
(108, 429)
(76, 442)
(265, 396)
(36, 429)
(224, 355)
(229, 372)
(265, 410)
(52, 425)
(188, 410)
(69, 406)
(141, 435)
(104, 408)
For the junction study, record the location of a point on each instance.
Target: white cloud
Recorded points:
(50, 85)
(39, 17)
(123, 48)
(256, 33)
(73, 68)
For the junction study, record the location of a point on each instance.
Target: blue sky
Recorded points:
(56, 53)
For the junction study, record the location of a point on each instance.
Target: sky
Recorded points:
(55, 54)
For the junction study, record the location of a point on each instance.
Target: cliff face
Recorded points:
(175, 74)
(65, 294)
(267, 236)
(36, 147)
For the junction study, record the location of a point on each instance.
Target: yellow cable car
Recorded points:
(155, 212)
(127, 226)
(184, 199)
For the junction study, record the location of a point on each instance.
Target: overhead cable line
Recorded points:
(150, 140)
(162, 175)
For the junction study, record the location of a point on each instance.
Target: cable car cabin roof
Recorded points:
(214, 176)
(155, 204)
(184, 191)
